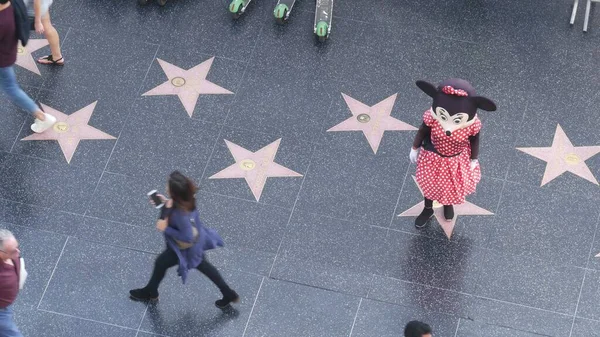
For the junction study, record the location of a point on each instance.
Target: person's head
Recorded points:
(182, 189)
(3, 2)
(9, 247)
(417, 329)
(455, 103)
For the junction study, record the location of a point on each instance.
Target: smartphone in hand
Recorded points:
(158, 202)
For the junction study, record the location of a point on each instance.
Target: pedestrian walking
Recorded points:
(14, 26)
(12, 277)
(417, 329)
(40, 10)
(187, 239)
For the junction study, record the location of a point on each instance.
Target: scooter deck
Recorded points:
(323, 16)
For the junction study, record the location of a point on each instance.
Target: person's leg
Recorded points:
(8, 328)
(54, 41)
(8, 82)
(448, 212)
(164, 261)
(426, 214)
(229, 295)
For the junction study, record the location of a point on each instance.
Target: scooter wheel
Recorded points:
(322, 30)
(162, 2)
(282, 20)
(143, 2)
(236, 8)
(281, 13)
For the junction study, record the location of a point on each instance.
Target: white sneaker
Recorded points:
(39, 126)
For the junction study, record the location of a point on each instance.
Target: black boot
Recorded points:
(425, 215)
(223, 303)
(448, 212)
(143, 295)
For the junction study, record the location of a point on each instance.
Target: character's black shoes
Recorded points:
(448, 212)
(424, 217)
(227, 300)
(142, 295)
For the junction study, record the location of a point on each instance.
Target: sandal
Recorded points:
(50, 61)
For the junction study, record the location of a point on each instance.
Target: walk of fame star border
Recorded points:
(569, 158)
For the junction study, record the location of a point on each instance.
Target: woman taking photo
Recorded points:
(186, 239)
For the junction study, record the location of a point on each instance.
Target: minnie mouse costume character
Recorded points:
(447, 167)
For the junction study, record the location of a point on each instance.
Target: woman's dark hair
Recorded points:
(182, 191)
(416, 329)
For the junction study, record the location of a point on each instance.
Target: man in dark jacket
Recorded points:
(10, 271)
(14, 27)
(417, 329)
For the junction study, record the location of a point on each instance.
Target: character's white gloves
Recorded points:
(413, 155)
(474, 164)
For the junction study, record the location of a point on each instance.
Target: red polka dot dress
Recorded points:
(448, 180)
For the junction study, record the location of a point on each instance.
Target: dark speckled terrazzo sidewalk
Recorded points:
(321, 253)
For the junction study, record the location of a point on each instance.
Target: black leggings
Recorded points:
(168, 259)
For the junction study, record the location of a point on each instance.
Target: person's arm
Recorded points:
(3, 34)
(165, 212)
(423, 132)
(474, 141)
(180, 229)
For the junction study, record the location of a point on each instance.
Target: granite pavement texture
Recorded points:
(313, 244)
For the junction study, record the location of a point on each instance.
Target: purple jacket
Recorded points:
(180, 228)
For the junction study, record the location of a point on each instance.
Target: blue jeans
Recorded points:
(8, 328)
(8, 82)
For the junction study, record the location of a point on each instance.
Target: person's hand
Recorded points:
(474, 164)
(414, 153)
(161, 225)
(161, 197)
(169, 203)
(39, 27)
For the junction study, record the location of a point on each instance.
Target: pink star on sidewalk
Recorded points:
(255, 167)
(70, 129)
(438, 210)
(373, 121)
(24, 57)
(562, 156)
(188, 85)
